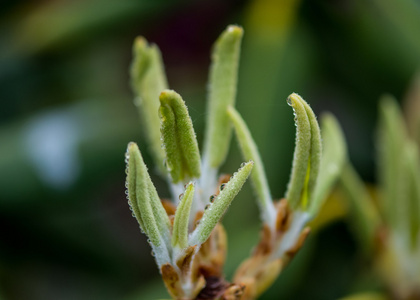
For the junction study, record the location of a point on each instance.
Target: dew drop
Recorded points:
(222, 187)
(289, 101)
(212, 198)
(243, 164)
(133, 215)
(152, 253)
(207, 207)
(126, 192)
(181, 196)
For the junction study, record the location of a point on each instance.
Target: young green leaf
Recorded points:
(364, 215)
(412, 108)
(332, 161)
(148, 79)
(250, 152)
(315, 155)
(182, 216)
(306, 159)
(178, 136)
(215, 211)
(412, 168)
(146, 204)
(391, 138)
(222, 93)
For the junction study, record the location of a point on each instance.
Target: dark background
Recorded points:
(67, 115)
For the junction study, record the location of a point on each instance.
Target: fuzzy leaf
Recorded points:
(178, 136)
(146, 204)
(250, 152)
(182, 216)
(148, 79)
(215, 211)
(315, 155)
(332, 162)
(222, 93)
(307, 154)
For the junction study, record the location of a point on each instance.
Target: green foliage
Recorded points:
(214, 211)
(307, 155)
(178, 138)
(182, 217)
(148, 80)
(258, 177)
(222, 93)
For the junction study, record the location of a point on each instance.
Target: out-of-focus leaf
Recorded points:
(222, 93)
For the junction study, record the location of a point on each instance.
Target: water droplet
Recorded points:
(133, 215)
(207, 207)
(212, 198)
(185, 186)
(197, 223)
(243, 165)
(126, 192)
(149, 241)
(152, 253)
(127, 157)
(222, 186)
(289, 101)
(181, 196)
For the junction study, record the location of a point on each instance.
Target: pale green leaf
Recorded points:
(412, 167)
(148, 80)
(315, 154)
(307, 154)
(391, 138)
(250, 152)
(215, 210)
(332, 161)
(178, 136)
(182, 216)
(222, 93)
(145, 203)
(364, 215)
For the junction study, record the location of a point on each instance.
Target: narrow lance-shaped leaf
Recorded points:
(148, 79)
(364, 215)
(412, 168)
(250, 152)
(222, 93)
(146, 204)
(315, 155)
(215, 211)
(391, 138)
(297, 192)
(178, 136)
(412, 109)
(182, 216)
(332, 161)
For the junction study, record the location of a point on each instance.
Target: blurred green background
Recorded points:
(67, 115)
